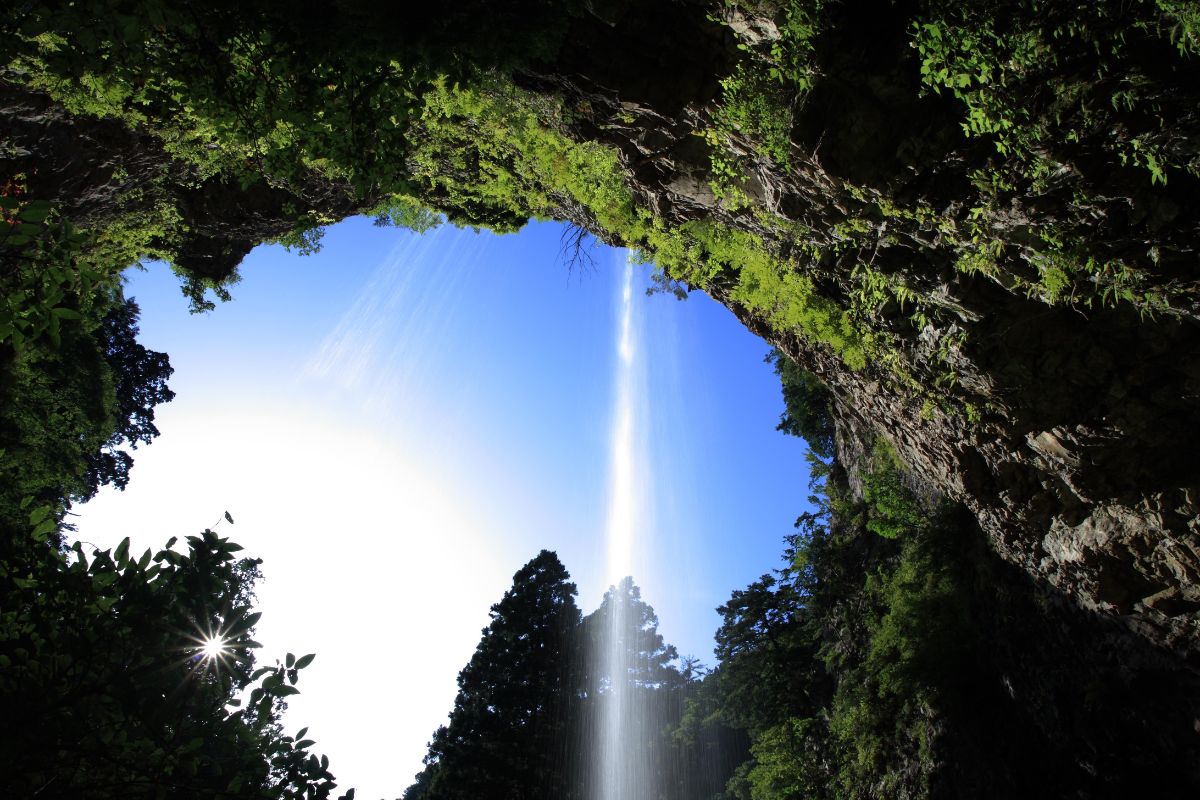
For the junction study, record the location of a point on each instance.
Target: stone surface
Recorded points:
(1081, 466)
(1079, 462)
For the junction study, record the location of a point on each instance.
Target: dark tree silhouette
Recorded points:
(509, 718)
(139, 379)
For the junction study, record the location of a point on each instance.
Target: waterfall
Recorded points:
(621, 772)
(624, 497)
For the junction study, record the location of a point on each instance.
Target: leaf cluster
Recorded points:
(76, 406)
(101, 657)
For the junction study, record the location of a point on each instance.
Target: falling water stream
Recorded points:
(621, 774)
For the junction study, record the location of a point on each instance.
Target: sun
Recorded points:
(213, 647)
(210, 650)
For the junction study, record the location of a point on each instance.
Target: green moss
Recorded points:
(492, 153)
(790, 302)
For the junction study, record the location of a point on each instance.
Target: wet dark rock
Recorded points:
(1079, 468)
(1079, 463)
(94, 171)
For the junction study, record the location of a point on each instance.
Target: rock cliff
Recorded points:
(1061, 416)
(977, 228)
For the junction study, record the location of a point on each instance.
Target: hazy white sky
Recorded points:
(399, 422)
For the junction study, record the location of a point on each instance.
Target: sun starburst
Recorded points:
(213, 647)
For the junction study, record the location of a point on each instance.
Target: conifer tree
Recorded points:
(509, 720)
(630, 674)
(646, 658)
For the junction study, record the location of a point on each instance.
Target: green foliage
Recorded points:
(868, 662)
(491, 155)
(419, 106)
(73, 407)
(48, 281)
(807, 406)
(759, 99)
(511, 712)
(1181, 20)
(254, 88)
(258, 100)
(304, 239)
(1056, 88)
(791, 301)
(892, 510)
(766, 651)
(401, 211)
(101, 660)
(518, 162)
(542, 680)
(787, 762)
(921, 640)
(988, 55)
(139, 385)
(840, 664)
(916, 665)
(752, 107)
(709, 253)
(873, 667)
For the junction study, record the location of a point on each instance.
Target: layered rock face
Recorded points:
(1064, 417)
(94, 171)
(1031, 301)
(1015, 310)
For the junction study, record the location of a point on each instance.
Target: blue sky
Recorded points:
(398, 422)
